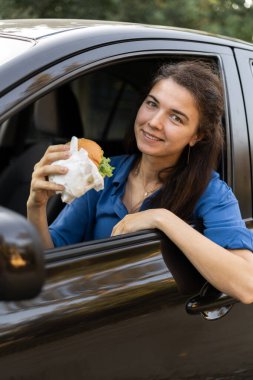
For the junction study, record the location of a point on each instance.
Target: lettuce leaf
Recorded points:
(105, 169)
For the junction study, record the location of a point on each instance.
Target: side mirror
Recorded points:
(21, 258)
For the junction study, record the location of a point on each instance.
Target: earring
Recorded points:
(188, 155)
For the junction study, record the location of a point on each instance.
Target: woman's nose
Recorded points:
(156, 121)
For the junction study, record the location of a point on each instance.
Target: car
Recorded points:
(130, 306)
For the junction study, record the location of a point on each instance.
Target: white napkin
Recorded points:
(82, 175)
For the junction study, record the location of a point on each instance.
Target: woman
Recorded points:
(169, 182)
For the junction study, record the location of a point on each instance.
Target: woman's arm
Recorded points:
(229, 271)
(41, 190)
(38, 217)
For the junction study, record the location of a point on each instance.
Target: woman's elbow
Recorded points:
(246, 294)
(246, 298)
(243, 286)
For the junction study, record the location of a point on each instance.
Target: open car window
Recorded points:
(100, 105)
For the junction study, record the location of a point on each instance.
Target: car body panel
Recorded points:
(11, 48)
(96, 312)
(245, 67)
(39, 28)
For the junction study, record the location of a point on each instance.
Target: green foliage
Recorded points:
(231, 18)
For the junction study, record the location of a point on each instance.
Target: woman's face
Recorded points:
(167, 121)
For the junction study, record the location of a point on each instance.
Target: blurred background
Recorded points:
(226, 17)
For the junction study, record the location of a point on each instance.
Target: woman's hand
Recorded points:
(139, 221)
(41, 189)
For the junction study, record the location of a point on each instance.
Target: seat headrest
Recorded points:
(57, 114)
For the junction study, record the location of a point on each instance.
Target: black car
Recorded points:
(131, 306)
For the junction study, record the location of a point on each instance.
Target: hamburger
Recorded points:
(96, 155)
(86, 166)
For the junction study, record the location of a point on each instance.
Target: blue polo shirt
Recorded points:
(94, 215)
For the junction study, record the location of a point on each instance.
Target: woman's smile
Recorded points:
(150, 136)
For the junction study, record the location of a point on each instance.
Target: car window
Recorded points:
(100, 105)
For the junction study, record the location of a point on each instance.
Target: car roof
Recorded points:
(39, 28)
(36, 29)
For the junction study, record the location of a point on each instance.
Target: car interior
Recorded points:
(100, 105)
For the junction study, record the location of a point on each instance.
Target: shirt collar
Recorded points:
(123, 169)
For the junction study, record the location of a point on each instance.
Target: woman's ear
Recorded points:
(195, 139)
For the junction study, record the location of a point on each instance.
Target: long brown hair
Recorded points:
(184, 183)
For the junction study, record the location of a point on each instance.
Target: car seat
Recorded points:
(55, 118)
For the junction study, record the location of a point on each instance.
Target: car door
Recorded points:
(128, 307)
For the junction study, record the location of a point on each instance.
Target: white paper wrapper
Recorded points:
(82, 175)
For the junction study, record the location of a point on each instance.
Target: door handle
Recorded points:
(210, 303)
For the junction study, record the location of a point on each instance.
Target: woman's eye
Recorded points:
(176, 119)
(150, 103)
